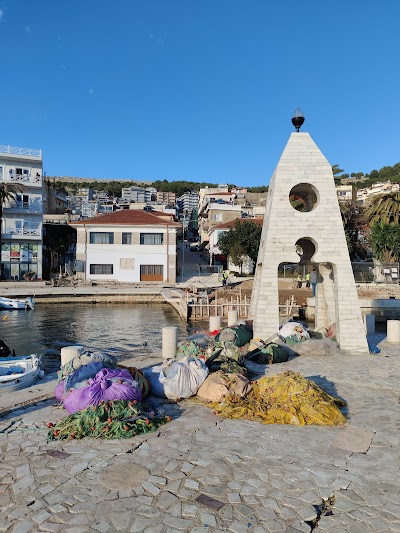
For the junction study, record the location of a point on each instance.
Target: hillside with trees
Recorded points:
(114, 187)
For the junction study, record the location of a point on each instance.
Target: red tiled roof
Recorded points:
(131, 217)
(232, 223)
(218, 193)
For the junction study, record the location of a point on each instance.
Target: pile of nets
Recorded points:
(293, 333)
(287, 398)
(109, 420)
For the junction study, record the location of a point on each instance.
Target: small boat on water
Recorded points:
(13, 303)
(19, 372)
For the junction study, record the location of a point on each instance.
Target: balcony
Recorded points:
(22, 232)
(24, 179)
(16, 150)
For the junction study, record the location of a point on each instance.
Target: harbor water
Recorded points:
(123, 330)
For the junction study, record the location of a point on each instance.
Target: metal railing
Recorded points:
(25, 178)
(16, 150)
(22, 231)
(369, 272)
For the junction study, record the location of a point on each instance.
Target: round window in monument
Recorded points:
(303, 197)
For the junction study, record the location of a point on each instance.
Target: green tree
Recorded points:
(246, 234)
(355, 229)
(383, 208)
(8, 191)
(337, 170)
(385, 241)
(237, 255)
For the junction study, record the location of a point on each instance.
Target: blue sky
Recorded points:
(199, 90)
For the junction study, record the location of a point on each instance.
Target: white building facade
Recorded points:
(22, 221)
(127, 246)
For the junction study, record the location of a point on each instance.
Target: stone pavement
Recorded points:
(267, 478)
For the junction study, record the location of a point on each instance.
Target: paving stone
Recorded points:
(41, 517)
(50, 526)
(23, 527)
(101, 526)
(207, 519)
(121, 520)
(191, 484)
(155, 491)
(176, 510)
(140, 524)
(177, 523)
(354, 439)
(166, 500)
(148, 512)
(189, 511)
(238, 527)
(234, 497)
(124, 476)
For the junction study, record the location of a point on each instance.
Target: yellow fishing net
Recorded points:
(287, 398)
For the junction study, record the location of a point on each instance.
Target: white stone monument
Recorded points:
(303, 174)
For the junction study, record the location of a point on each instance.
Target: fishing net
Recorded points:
(189, 349)
(107, 385)
(219, 384)
(109, 361)
(287, 398)
(109, 420)
(239, 335)
(293, 332)
(139, 377)
(269, 354)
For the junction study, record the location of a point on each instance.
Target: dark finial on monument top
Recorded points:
(298, 119)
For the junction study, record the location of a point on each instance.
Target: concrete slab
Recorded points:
(124, 476)
(354, 439)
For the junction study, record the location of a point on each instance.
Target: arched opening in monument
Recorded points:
(303, 197)
(295, 280)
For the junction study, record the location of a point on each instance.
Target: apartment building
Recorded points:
(216, 206)
(127, 246)
(346, 193)
(21, 224)
(187, 202)
(139, 194)
(168, 198)
(363, 195)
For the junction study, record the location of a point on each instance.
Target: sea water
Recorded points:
(124, 330)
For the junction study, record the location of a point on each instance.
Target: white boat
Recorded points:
(19, 372)
(12, 303)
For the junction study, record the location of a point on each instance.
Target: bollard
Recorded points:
(369, 321)
(393, 331)
(232, 317)
(69, 352)
(215, 323)
(169, 342)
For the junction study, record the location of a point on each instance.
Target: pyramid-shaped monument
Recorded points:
(304, 178)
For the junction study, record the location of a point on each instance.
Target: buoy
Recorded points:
(5, 317)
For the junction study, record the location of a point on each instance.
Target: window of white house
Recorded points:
(218, 217)
(23, 200)
(151, 238)
(126, 238)
(99, 237)
(101, 269)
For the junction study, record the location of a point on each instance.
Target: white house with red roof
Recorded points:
(214, 235)
(127, 246)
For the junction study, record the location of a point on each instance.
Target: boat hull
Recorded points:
(19, 372)
(14, 304)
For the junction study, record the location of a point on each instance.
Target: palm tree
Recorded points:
(7, 192)
(383, 208)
